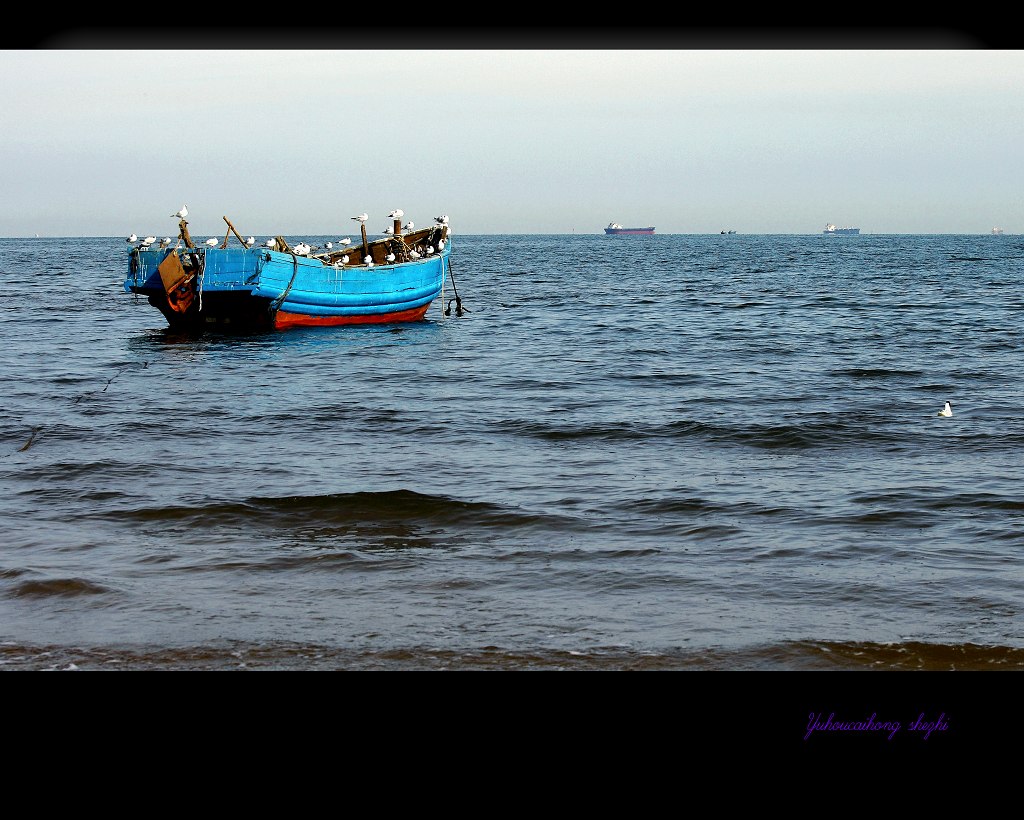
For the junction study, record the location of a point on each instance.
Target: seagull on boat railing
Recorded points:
(213, 242)
(388, 230)
(368, 261)
(440, 245)
(430, 249)
(344, 259)
(397, 213)
(329, 245)
(441, 220)
(302, 249)
(165, 241)
(250, 241)
(408, 226)
(182, 213)
(149, 240)
(413, 255)
(271, 243)
(361, 218)
(345, 241)
(390, 257)
(132, 238)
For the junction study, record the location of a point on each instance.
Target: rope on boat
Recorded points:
(202, 279)
(275, 305)
(459, 309)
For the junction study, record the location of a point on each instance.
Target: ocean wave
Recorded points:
(394, 506)
(833, 431)
(283, 656)
(48, 587)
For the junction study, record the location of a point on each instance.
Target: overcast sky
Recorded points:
(110, 141)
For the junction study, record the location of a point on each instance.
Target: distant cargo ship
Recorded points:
(616, 228)
(830, 228)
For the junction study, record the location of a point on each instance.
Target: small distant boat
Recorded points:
(616, 228)
(832, 229)
(280, 285)
(725, 232)
(996, 231)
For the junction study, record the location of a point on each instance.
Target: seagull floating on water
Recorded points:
(182, 213)
(361, 218)
(947, 410)
(212, 242)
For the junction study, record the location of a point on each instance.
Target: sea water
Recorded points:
(667, 452)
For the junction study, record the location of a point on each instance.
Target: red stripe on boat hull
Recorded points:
(284, 319)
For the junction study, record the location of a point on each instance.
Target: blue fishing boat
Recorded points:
(279, 285)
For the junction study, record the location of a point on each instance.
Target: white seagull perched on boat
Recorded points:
(302, 249)
(132, 238)
(390, 257)
(361, 218)
(440, 245)
(397, 213)
(165, 241)
(329, 245)
(344, 259)
(441, 220)
(149, 240)
(389, 230)
(413, 255)
(270, 243)
(250, 241)
(182, 213)
(430, 249)
(345, 241)
(408, 226)
(947, 410)
(368, 261)
(212, 241)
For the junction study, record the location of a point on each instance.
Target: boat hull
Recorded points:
(617, 231)
(286, 319)
(261, 289)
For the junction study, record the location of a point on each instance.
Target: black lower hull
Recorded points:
(216, 311)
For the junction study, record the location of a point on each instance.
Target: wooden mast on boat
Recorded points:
(236, 233)
(184, 234)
